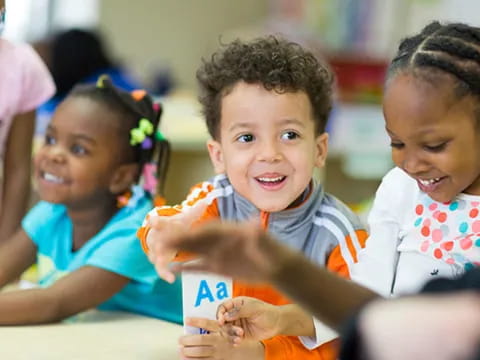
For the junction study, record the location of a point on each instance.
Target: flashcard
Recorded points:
(202, 293)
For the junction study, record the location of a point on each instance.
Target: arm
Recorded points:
(387, 332)
(16, 170)
(16, 255)
(252, 254)
(258, 320)
(377, 261)
(84, 288)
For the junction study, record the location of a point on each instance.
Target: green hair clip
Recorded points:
(139, 134)
(100, 81)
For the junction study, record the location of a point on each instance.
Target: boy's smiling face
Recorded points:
(267, 145)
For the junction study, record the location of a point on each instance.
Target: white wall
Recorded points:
(174, 32)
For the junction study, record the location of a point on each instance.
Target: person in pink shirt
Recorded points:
(25, 83)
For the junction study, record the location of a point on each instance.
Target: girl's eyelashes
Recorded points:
(78, 149)
(396, 145)
(436, 148)
(49, 140)
(245, 138)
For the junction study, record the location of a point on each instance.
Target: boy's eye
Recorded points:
(289, 135)
(78, 149)
(49, 140)
(245, 138)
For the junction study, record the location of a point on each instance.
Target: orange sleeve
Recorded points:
(210, 213)
(336, 262)
(196, 194)
(290, 348)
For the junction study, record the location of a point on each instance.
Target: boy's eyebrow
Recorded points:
(240, 125)
(288, 121)
(293, 121)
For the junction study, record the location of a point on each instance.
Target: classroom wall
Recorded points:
(172, 32)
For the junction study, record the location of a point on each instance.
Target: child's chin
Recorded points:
(50, 198)
(271, 207)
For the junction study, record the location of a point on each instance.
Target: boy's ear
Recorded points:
(321, 150)
(123, 177)
(216, 156)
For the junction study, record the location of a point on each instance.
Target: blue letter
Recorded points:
(203, 293)
(222, 292)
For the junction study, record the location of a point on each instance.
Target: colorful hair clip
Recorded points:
(159, 136)
(138, 94)
(149, 177)
(100, 81)
(139, 134)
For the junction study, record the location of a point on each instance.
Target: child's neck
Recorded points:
(88, 222)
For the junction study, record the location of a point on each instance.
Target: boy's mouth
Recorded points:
(271, 182)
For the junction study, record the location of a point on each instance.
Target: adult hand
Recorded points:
(440, 327)
(237, 250)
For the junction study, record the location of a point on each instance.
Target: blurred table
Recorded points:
(97, 335)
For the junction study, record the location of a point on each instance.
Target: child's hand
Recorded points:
(164, 228)
(250, 319)
(159, 254)
(215, 345)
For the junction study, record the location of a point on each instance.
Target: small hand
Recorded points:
(214, 345)
(160, 255)
(164, 227)
(250, 319)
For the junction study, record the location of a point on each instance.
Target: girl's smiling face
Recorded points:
(76, 165)
(434, 135)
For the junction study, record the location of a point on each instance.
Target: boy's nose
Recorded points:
(270, 152)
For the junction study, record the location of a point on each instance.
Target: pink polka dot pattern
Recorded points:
(476, 226)
(448, 231)
(437, 235)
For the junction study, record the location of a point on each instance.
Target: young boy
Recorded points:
(266, 105)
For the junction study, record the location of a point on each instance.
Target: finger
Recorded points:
(198, 340)
(198, 352)
(241, 307)
(235, 334)
(222, 309)
(202, 323)
(199, 265)
(200, 241)
(165, 273)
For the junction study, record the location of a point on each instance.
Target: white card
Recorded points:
(202, 294)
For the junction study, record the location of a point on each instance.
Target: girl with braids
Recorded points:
(82, 233)
(424, 224)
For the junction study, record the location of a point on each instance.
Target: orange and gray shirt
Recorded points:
(324, 229)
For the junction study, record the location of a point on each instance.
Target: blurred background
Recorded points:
(158, 44)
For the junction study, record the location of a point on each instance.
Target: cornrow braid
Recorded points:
(446, 48)
(130, 109)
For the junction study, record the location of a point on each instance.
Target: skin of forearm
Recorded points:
(251, 350)
(327, 296)
(15, 194)
(294, 321)
(33, 306)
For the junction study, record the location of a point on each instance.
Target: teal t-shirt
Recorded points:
(115, 248)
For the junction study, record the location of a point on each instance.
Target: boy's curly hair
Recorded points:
(275, 63)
